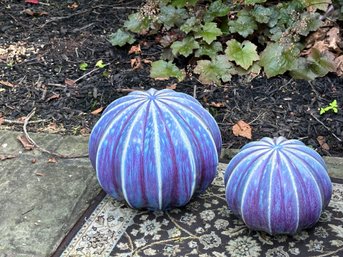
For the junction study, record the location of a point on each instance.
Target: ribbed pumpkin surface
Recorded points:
(155, 149)
(277, 185)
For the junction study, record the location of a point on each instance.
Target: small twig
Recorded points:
(340, 140)
(56, 85)
(22, 122)
(90, 72)
(42, 3)
(116, 7)
(26, 212)
(62, 18)
(82, 28)
(124, 90)
(7, 157)
(258, 116)
(29, 116)
(195, 91)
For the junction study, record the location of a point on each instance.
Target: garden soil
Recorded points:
(42, 47)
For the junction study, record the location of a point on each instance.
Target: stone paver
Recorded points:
(41, 201)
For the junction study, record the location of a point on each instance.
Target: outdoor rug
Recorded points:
(204, 228)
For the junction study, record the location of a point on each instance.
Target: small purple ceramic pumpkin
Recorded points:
(277, 185)
(155, 149)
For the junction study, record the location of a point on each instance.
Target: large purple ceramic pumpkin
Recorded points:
(277, 185)
(155, 149)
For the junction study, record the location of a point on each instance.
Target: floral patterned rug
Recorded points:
(204, 228)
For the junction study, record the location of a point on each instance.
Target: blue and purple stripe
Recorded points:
(155, 149)
(277, 185)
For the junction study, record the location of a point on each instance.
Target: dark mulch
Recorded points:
(55, 44)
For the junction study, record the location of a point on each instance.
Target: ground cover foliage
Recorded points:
(244, 37)
(56, 59)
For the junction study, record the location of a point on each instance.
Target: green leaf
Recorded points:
(209, 50)
(308, 22)
(244, 25)
(243, 54)
(164, 70)
(100, 64)
(317, 4)
(302, 70)
(183, 3)
(322, 62)
(252, 2)
(83, 66)
(262, 14)
(170, 16)
(252, 72)
(214, 71)
(275, 33)
(184, 47)
(284, 15)
(216, 9)
(332, 106)
(277, 59)
(190, 24)
(209, 32)
(120, 38)
(136, 23)
(316, 65)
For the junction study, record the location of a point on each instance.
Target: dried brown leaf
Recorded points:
(339, 65)
(29, 12)
(54, 96)
(52, 128)
(43, 13)
(6, 157)
(6, 83)
(1, 120)
(334, 39)
(322, 142)
(97, 111)
(52, 160)
(85, 131)
(172, 86)
(146, 61)
(242, 129)
(217, 105)
(135, 49)
(25, 142)
(322, 46)
(40, 174)
(70, 82)
(73, 6)
(316, 36)
(136, 63)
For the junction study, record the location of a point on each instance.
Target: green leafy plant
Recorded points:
(164, 70)
(83, 66)
(100, 64)
(331, 107)
(261, 36)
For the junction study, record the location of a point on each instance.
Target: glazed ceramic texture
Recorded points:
(155, 149)
(277, 185)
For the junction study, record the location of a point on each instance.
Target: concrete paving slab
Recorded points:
(41, 201)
